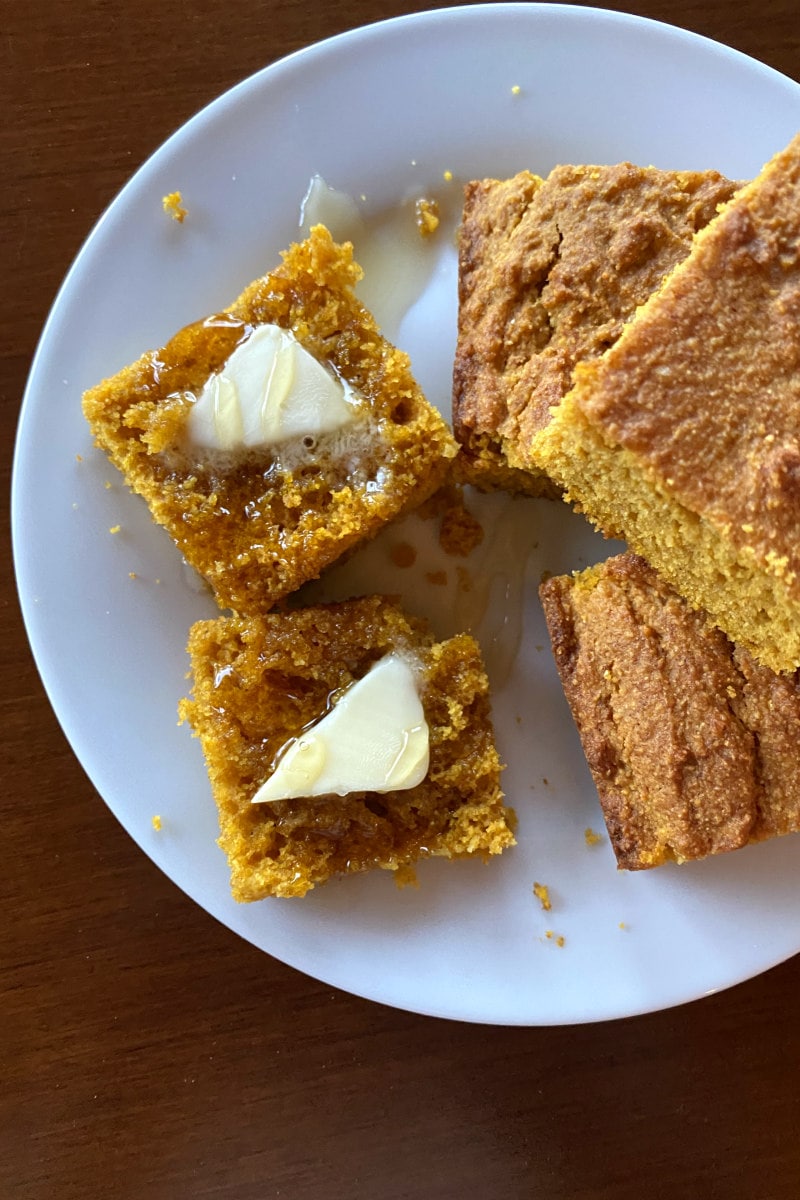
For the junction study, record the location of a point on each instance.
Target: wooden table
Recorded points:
(148, 1052)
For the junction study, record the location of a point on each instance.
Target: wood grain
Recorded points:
(146, 1051)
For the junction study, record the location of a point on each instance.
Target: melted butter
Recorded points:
(374, 738)
(487, 592)
(270, 391)
(493, 605)
(397, 262)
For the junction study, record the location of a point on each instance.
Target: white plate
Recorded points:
(384, 112)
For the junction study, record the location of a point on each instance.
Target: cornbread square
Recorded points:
(260, 680)
(258, 525)
(693, 745)
(549, 272)
(684, 438)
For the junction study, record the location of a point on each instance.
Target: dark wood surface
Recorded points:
(146, 1051)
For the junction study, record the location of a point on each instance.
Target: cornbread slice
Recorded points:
(684, 438)
(549, 272)
(257, 525)
(693, 746)
(259, 681)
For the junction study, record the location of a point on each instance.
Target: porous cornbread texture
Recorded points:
(259, 681)
(684, 438)
(691, 743)
(258, 525)
(549, 272)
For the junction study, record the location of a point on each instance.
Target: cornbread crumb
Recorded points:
(427, 216)
(79, 458)
(460, 532)
(447, 176)
(156, 823)
(173, 207)
(557, 938)
(542, 894)
(590, 837)
(516, 89)
(115, 529)
(132, 575)
(623, 925)
(260, 680)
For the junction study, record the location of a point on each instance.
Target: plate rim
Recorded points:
(271, 73)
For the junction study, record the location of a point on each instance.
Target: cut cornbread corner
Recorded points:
(549, 272)
(684, 438)
(273, 437)
(692, 744)
(261, 682)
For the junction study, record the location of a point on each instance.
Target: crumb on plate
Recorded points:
(427, 216)
(460, 532)
(173, 207)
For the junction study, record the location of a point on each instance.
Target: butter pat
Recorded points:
(374, 739)
(271, 390)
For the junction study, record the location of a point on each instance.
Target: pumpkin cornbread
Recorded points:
(693, 746)
(257, 524)
(549, 272)
(260, 681)
(684, 438)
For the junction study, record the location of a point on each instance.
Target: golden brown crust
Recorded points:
(770, 708)
(705, 387)
(697, 406)
(259, 680)
(549, 272)
(257, 530)
(691, 744)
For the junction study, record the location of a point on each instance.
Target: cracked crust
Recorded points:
(692, 745)
(684, 439)
(549, 272)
